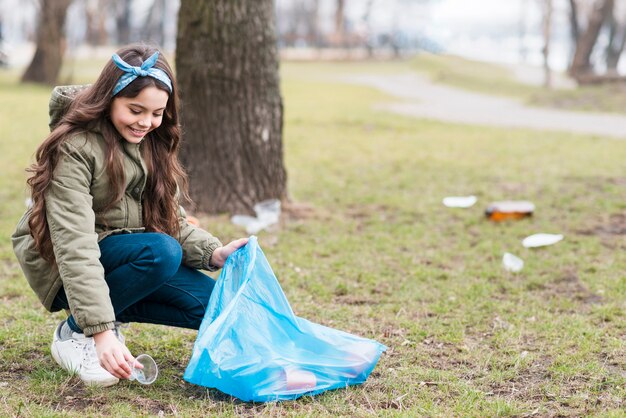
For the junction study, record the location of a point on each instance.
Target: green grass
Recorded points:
(471, 75)
(378, 255)
(498, 80)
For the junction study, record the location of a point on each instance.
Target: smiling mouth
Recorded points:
(138, 132)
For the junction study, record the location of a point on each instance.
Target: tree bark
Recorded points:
(232, 110)
(581, 63)
(46, 63)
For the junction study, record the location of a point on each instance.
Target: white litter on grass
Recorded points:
(267, 214)
(459, 201)
(512, 263)
(540, 240)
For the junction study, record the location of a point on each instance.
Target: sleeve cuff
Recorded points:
(206, 258)
(95, 329)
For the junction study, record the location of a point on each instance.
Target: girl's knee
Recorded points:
(167, 253)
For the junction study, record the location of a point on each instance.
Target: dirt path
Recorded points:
(424, 99)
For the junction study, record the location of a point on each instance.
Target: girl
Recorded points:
(105, 237)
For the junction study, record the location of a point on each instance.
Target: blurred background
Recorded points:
(584, 37)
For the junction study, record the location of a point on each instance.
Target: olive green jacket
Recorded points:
(75, 201)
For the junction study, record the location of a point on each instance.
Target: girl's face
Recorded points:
(134, 117)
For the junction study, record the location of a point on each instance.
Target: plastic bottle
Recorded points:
(509, 210)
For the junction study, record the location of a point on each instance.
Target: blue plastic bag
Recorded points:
(251, 345)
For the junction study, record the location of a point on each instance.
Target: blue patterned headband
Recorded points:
(146, 70)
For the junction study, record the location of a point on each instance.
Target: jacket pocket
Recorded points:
(22, 227)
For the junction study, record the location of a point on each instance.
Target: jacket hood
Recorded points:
(60, 101)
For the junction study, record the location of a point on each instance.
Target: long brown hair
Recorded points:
(159, 149)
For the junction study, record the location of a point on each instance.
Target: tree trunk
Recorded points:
(574, 29)
(122, 20)
(312, 24)
(96, 22)
(581, 63)
(368, 28)
(339, 23)
(547, 29)
(573, 20)
(46, 63)
(232, 111)
(617, 39)
(154, 26)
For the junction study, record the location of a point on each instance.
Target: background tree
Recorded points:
(312, 23)
(96, 21)
(547, 31)
(581, 67)
(122, 10)
(617, 37)
(46, 63)
(232, 110)
(573, 18)
(340, 27)
(153, 28)
(300, 21)
(367, 14)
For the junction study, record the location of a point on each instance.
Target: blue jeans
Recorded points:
(148, 282)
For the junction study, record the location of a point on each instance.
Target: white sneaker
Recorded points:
(78, 355)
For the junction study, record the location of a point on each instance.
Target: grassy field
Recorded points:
(498, 80)
(377, 254)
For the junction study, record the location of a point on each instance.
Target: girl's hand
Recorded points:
(113, 355)
(220, 254)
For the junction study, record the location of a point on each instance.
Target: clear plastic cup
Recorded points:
(147, 374)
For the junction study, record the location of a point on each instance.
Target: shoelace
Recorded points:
(90, 356)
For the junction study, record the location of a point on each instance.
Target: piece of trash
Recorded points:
(459, 201)
(509, 210)
(430, 383)
(267, 213)
(512, 263)
(294, 379)
(147, 373)
(540, 240)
